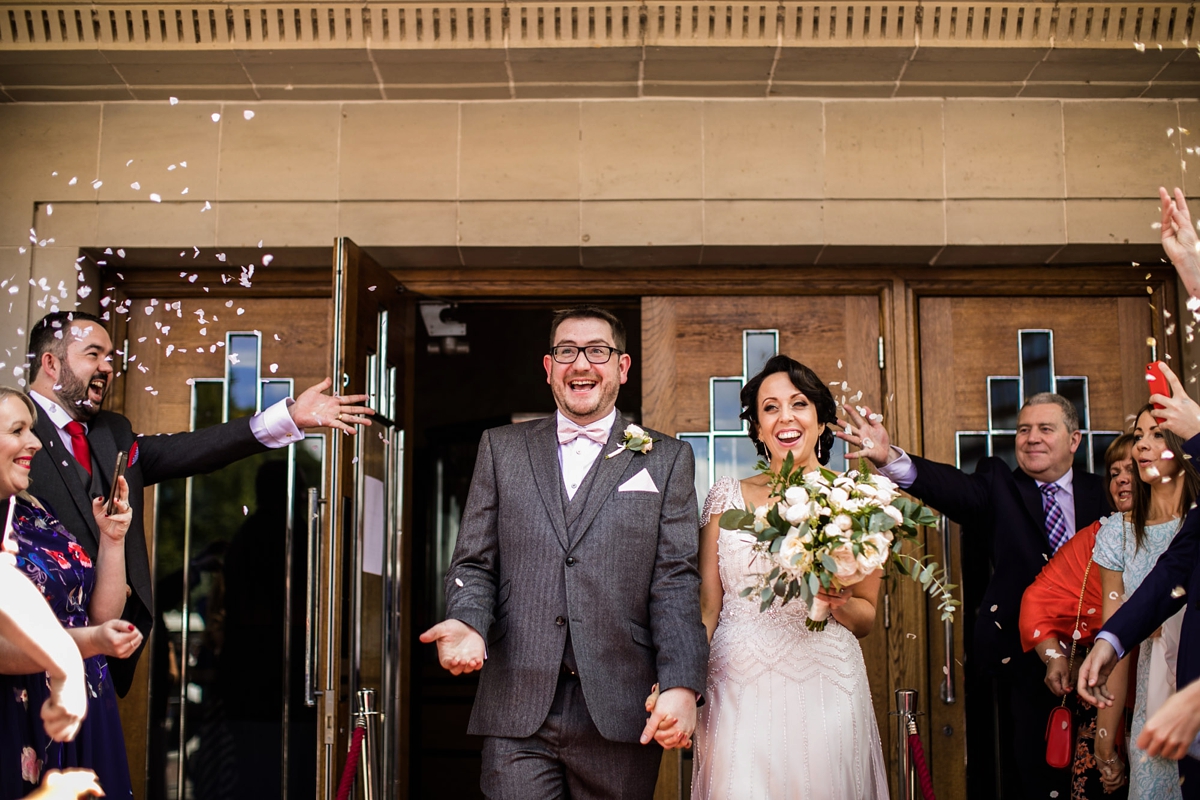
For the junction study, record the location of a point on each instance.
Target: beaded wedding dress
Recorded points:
(788, 712)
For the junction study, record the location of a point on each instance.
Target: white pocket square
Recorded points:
(642, 482)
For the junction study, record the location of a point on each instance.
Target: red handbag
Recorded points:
(1060, 728)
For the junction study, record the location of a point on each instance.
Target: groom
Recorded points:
(574, 578)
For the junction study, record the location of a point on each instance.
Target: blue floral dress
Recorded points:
(55, 562)
(1116, 549)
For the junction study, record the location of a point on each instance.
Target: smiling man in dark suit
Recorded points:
(69, 374)
(1025, 514)
(575, 577)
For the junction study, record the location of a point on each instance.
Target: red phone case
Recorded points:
(1158, 383)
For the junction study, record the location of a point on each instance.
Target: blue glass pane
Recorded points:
(1076, 390)
(1005, 446)
(1100, 445)
(700, 451)
(274, 391)
(734, 456)
(242, 374)
(972, 448)
(1036, 366)
(837, 456)
(1004, 397)
(726, 404)
(208, 398)
(760, 346)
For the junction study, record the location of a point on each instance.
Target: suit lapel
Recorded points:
(64, 462)
(104, 449)
(1031, 495)
(542, 441)
(608, 472)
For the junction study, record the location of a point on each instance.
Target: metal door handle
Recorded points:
(947, 690)
(310, 598)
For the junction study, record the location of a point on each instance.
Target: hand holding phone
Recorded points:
(1158, 384)
(110, 505)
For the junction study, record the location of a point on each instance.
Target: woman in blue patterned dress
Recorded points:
(87, 594)
(1127, 547)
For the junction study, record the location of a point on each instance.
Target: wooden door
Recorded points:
(697, 353)
(222, 665)
(979, 358)
(365, 623)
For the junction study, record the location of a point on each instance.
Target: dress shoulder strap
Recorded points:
(725, 494)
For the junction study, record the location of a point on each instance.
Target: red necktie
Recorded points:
(79, 443)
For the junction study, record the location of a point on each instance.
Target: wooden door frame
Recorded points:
(899, 290)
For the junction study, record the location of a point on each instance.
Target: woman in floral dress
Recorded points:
(87, 594)
(1127, 548)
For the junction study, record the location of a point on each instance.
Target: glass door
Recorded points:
(365, 623)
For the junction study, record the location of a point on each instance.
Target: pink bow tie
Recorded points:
(568, 432)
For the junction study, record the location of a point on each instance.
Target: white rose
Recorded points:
(634, 430)
(794, 552)
(760, 519)
(843, 521)
(894, 513)
(832, 530)
(796, 496)
(864, 490)
(648, 446)
(844, 482)
(796, 514)
(882, 481)
(847, 564)
(875, 549)
(838, 495)
(853, 506)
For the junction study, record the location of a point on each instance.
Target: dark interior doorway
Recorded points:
(459, 396)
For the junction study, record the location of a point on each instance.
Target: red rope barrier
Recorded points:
(923, 776)
(351, 770)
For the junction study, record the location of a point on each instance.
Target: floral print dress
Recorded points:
(56, 563)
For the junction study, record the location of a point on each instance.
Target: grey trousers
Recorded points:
(567, 757)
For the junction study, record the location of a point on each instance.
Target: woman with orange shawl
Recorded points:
(1049, 608)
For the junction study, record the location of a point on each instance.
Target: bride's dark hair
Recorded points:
(806, 381)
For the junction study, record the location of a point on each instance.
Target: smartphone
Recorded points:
(1158, 383)
(110, 506)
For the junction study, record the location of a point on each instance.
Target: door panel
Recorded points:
(219, 681)
(964, 341)
(691, 343)
(366, 624)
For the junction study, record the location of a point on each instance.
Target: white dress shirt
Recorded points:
(903, 473)
(273, 427)
(576, 458)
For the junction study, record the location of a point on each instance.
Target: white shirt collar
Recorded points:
(605, 422)
(54, 411)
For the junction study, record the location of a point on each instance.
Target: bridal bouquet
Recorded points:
(830, 531)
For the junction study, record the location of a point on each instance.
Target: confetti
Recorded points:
(157, 198)
(911, 635)
(994, 609)
(248, 114)
(274, 368)
(216, 117)
(135, 186)
(245, 511)
(458, 581)
(49, 209)
(1178, 592)
(1139, 46)
(1037, 632)
(174, 101)
(1006, 659)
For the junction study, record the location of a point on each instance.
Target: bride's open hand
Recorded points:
(866, 433)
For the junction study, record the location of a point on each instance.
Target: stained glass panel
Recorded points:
(1076, 390)
(726, 404)
(760, 346)
(972, 448)
(1037, 362)
(1004, 401)
(241, 372)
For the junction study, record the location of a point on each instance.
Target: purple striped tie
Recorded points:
(1056, 524)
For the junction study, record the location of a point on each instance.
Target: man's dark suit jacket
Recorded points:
(56, 482)
(1004, 505)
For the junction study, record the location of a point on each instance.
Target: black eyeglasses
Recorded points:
(595, 353)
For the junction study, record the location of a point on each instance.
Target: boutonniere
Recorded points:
(635, 440)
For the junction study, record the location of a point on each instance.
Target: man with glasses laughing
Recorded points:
(574, 586)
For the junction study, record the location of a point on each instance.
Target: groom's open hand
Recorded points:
(460, 647)
(672, 718)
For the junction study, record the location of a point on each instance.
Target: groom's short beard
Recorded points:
(606, 397)
(73, 396)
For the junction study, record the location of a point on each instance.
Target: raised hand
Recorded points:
(315, 409)
(1093, 675)
(460, 647)
(867, 435)
(672, 718)
(1179, 413)
(116, 638)
(114, 526)
(1179, 239)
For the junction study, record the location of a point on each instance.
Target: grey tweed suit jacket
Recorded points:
(620, 571)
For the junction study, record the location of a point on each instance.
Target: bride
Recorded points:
(788, 712)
